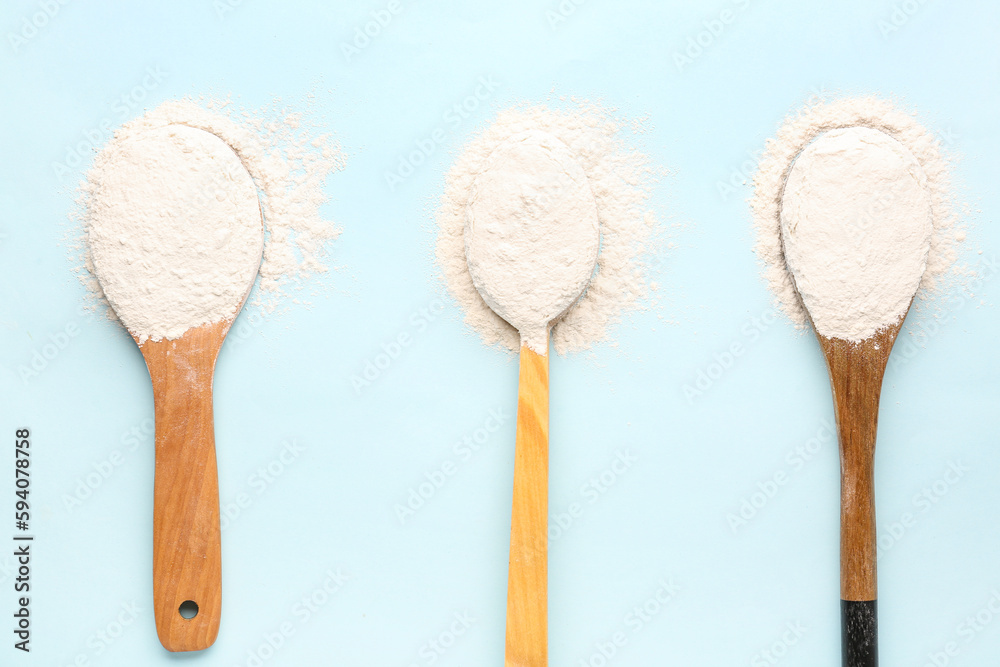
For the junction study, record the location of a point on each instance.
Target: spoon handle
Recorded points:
(187, 563)
(858, 576)
(856, 371)
(527, 583)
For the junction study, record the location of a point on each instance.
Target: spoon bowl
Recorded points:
(531, 233)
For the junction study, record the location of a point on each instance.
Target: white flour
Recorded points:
(620, 180)
(769, 182)
(856, 224)
(288, 162)
(175, 230)
(531, 233)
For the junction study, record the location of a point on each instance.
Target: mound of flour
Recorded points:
(175, 231)
(856, 226)
(795, 135)
(531, 233)
(288, 161)
(621, 181)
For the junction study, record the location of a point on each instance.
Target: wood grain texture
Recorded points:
(527, 583)
(856, 372)
(187, 557)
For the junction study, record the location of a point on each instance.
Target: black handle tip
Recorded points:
(859, 630)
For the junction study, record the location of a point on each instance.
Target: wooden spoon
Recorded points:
(856, 372)
(187, 553)
(187, 566)
(856, 256)
(530, 268)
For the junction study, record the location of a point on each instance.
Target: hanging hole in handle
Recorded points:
(188, 609)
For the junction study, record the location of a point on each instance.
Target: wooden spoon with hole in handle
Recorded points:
(187, 554)
(531, 241)
(176, 247)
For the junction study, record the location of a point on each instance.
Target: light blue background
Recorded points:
(289, 377)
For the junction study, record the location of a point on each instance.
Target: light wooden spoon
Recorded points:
(531, 237)
(187, 565)
(892, 261)
(187, 552)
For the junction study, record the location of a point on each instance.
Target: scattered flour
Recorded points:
(620, 180)
(288, 162)
(856, 226)
(874, 216)
(531, 233)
